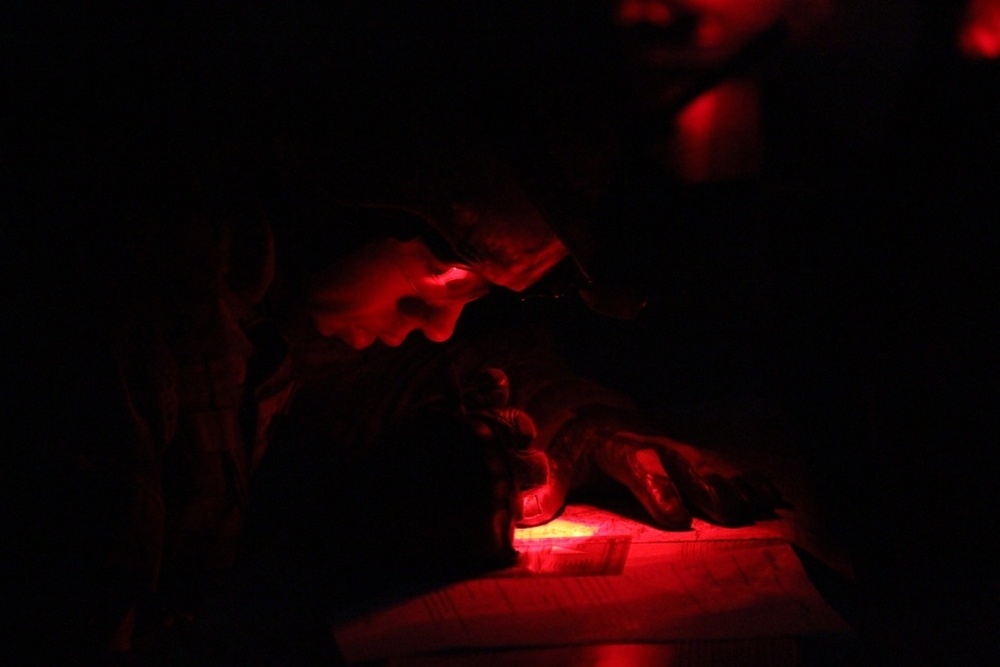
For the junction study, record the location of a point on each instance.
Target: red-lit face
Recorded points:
(704, 31)
(667, 42)
(389, 289)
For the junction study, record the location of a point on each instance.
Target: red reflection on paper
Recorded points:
(557, 528)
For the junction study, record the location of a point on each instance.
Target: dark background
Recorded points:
(853, 283)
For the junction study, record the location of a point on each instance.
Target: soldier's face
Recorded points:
(667, 42)
(389, 289)
(700, 31)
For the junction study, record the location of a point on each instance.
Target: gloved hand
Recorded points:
(485, 397)
(674, 481)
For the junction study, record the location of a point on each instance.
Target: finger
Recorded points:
(713, 496)
(703, 462)
(760, 494)
(755, 491)
(708, 483)
(641, 471)
(542, 502)
(530, 467)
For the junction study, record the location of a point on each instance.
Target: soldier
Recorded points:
(277, 343)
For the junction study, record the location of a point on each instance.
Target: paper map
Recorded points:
(592, 576)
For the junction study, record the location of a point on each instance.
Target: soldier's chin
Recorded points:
(393, 340)
(359, 339)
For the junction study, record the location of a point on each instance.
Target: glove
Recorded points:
(513, 432)
(673, 481)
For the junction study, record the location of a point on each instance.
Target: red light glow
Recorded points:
(979, 35)
(717, 135)
(648, 11)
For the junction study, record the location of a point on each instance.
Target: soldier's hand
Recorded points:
(674, 481)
